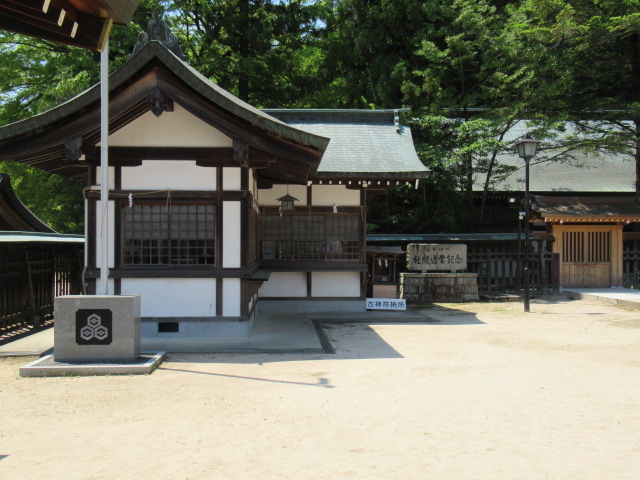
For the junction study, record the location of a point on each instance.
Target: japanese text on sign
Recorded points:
(433, 256)
(386, 304)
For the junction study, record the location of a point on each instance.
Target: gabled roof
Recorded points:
(587, 208)
(364, 143)
(40, 140)
(14, 216)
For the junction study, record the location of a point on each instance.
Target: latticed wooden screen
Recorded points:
(310, 237)
(586, 247)
(175, 234)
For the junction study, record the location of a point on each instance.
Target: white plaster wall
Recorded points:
(173, 297)
(231, 178)
(168, 174)
(171, 129)
(230, 297)
(111, 179)
(335, 284)
(108, 222)
(231, 234)
(285, 284)
(329, 195)
(269, 196)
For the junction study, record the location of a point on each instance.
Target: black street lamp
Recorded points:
(527, 147)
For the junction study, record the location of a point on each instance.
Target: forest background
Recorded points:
(467, 69)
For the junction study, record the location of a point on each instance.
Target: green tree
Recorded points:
(598, 42)
(256, 49)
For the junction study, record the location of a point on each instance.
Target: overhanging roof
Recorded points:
(364, 143)
(80, 23)
(40, 140)
(620, 209)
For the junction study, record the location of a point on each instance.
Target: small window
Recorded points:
(174, 234)
(168, 327)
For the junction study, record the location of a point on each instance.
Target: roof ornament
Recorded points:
(158, 30)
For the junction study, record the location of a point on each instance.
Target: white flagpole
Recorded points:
(104, 170)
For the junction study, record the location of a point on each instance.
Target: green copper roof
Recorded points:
(363, 142)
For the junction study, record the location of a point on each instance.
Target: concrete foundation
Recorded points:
(439, 287)
(158, 327)
(311, 306)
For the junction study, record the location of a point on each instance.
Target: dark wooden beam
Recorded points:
(220, 154)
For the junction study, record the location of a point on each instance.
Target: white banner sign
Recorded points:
(386, 304)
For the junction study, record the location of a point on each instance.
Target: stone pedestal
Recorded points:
(97, 328)
(439, 287)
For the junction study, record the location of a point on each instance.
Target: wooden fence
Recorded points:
(499, 269)
(31, 275)
(631, 263)
(496, 264)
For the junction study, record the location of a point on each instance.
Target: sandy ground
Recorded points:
(482, 392)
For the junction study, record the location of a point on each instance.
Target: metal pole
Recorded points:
(526, 236)
(104, 171)
(519, 262)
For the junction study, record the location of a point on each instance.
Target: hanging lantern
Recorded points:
(286, 203)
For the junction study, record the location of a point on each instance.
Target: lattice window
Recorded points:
(310, 237)
(586, 247)
(176, 234)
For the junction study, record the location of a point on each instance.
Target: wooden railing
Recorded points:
(31, 276)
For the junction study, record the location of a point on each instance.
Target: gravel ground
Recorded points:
(481, 391)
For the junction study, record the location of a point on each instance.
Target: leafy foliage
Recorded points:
(469, 69)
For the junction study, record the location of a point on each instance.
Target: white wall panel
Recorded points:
(231, 178)
(112, 177)
(231, 234)
(173, 297)
(329, 195)
(168, 174)
(171, 129)
(285, 284)
(231, 297)
(335, 284)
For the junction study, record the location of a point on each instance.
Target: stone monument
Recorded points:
(97, 328)
(432, 284)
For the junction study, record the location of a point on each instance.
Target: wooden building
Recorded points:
(217, 209)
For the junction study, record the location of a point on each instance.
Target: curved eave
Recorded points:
(589, 219)
(399, 176)
(17, 214)
(200, 84)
